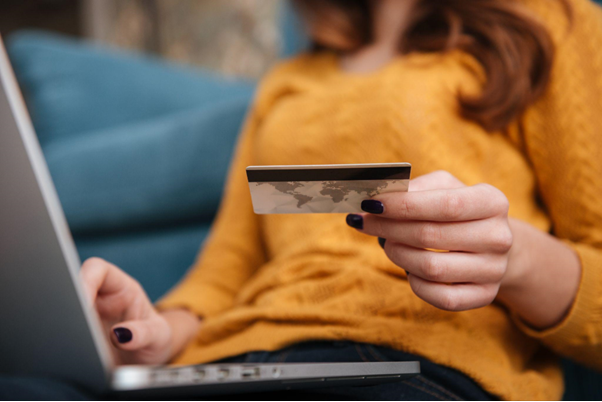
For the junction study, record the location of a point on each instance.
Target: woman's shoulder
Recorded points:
(303, 66)
(576, 30)
(567, 18)
(568, 110)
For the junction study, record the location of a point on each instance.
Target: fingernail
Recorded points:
(123, 335)
(355, 221)
(382, 241)
(373, 206)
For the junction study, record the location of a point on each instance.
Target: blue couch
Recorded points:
(139, 148)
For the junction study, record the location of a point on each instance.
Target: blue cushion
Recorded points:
(582, 383)
(72, 87)
(162, 171)
(130, 141)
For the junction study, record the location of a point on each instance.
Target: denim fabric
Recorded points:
(38, 389)
(434, 383)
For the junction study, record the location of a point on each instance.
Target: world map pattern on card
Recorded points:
(329, 196)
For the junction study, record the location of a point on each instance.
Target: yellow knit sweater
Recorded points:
(265, 282)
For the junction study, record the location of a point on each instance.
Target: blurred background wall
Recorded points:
(235, 37)
(238, 38)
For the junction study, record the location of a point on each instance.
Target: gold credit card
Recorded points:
(323, 189)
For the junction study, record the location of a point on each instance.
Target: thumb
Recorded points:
(151, 333)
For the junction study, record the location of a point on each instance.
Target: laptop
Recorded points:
(48, 327)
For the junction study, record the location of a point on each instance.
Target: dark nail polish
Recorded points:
(123, 335)
(382, 241)
(373, 206)
(355, 221)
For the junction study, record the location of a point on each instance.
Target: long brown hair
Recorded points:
(515, 50)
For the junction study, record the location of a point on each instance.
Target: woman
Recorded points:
(495, 103)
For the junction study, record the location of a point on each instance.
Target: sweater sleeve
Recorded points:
(233, 250)
(563, 139)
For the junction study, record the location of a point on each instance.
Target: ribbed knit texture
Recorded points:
(265, 282)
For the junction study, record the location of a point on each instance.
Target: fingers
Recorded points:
(114, 293)
(449, 267)
(458, 297)
(445, 205)
(142, 334)
(100, 276)
(435, 180)
(440, 212)
(481, 236)
(136, 335)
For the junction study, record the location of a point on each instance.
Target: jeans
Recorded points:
(435, 382)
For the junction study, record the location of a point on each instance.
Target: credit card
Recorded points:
(323, 189)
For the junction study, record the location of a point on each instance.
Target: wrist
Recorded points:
(543, 276)
(184, 326)
(519, 261)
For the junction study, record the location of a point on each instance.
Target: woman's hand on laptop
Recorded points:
(140, 333)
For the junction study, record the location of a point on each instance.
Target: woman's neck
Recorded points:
(389, 20)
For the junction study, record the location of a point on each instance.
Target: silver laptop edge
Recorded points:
(54, 210)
